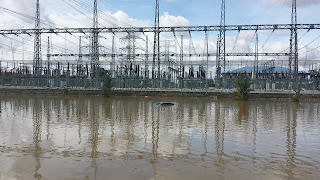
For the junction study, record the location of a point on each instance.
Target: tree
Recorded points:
(297, 96)
(243, 89)
(107, 84)
(65, 92)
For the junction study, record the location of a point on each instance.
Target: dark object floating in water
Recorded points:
(164, 104)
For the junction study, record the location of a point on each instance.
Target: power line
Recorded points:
(310, 42)
(87, 7)
(310, 50)
(44, 22)
(15, 49)
(298, 41)
(254, 35)
(17, 14)
(235, 43)
(266, 41)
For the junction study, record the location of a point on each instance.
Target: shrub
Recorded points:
(107, 84)
(65, 91)
(297, 96)
(243, 89)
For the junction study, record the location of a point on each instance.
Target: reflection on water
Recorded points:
(130, 138)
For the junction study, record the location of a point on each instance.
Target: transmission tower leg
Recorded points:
(156, 45)
(256, 66)
(146, 67)
(37, 59)
(95, 42)
(181, 58)
(218, 67)
(207, 56)
(48, 58)
(79, 63)
(113, 60)
(293, 59)
(222, 44)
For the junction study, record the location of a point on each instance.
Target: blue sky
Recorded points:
(207, 12)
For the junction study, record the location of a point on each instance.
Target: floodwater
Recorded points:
(122, 138)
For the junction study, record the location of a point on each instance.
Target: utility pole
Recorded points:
(293, 59)
(156, 43)
(37, 60)
(95, 41)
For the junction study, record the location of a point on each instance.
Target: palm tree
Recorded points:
(297, 96)
(107, 84)
(243, 89)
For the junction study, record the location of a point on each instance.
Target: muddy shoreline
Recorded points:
(212, 93)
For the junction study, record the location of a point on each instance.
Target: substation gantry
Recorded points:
(220, 55)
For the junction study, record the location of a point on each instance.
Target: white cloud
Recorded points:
(9, 20)
(126, 20)
(244, 39)
(167, 20)
(288, 3)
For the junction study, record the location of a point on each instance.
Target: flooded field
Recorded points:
(130, 138)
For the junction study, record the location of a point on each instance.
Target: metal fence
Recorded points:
(273, 85)
(50, 82)
(85, 82)
(163, 84)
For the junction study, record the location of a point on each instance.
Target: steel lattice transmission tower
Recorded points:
(156, 43)
(37, 60)
(293, 59)
(95, 41)
(222, 42)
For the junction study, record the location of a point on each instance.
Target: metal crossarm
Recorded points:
(161, 29)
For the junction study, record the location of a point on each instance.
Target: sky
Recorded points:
(125, 13)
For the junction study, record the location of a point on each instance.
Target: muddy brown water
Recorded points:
(43, 137)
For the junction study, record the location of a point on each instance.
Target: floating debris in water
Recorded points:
(164, 104)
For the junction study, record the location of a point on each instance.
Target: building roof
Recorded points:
(250, 69)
